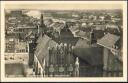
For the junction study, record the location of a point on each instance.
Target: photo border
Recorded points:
(70, 79)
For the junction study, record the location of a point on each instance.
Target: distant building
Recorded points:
(48, 22)
(10, 45)
(100, 27)
(113, 29)
(112, 26)
(57, 26)
(21, 47)
(24, 31)
(16, 13)
(101, 18)
(13, 45)
(74, 29)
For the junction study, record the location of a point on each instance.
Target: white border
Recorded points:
(71, 79)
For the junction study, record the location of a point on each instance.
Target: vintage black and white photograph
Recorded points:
(58, 42)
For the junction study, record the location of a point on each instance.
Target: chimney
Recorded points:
(38, 27)
(92, 37)
(66, 26)
(42, 19)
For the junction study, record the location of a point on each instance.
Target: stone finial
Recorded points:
(65, 45)
(77, 62)
(48, 48)
(56, 45)
(77, 67)
(72, 47)
(61, 44)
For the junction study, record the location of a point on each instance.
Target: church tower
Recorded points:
(42, 26)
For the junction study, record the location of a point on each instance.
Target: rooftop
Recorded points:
(108, 40)
(42, 47)
(90, 54)
(57, 26)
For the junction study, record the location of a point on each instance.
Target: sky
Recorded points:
(61, 6)
(64, 5)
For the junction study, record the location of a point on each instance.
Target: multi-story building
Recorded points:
(10, 45)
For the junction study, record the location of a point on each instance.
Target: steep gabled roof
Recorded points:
(39, 39)
(42, 48)
(43, 41)
(108, 40)
(92, 55)
(82, 43)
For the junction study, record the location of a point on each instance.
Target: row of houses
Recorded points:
(21, 29)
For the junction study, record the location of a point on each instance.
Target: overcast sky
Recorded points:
(64, 5)
(61, 6)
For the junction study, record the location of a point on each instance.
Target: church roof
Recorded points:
(108, 40)
(90, 54)
(42, 47)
